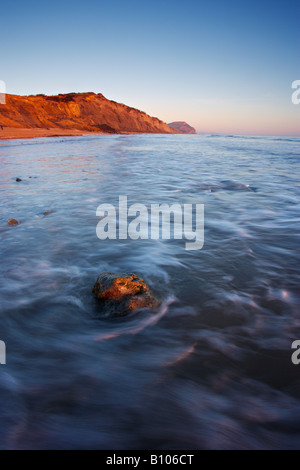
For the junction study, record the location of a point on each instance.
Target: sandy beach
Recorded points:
(20, 133)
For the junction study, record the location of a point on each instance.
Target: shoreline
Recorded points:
(22, 133)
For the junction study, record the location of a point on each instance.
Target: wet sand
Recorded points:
(21, 133)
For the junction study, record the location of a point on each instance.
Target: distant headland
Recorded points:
(183, 127)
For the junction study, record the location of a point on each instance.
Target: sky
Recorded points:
(222, 66)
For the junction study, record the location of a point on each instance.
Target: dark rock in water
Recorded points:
(18, 179)
(12, 222)
(48, 212)
(121, 294)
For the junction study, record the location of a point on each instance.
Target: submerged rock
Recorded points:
(48, 212)
(121, 294)
(12, 222)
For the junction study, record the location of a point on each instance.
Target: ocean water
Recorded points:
(212, 368)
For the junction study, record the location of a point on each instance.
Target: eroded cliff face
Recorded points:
(81, 111)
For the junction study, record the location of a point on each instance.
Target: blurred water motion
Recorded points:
(213, 368)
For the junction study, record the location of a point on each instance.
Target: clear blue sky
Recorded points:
(222, 66)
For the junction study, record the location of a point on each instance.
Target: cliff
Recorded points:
(75, 113)
(183, 127)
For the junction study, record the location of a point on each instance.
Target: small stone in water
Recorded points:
(48, 212)
(12, 222)
(121, 294)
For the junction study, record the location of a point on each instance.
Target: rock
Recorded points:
(12, 222)
(183, 127)
(121, 294)
(18, 179)
(48, 212)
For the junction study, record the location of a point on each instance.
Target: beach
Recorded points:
(23, 133)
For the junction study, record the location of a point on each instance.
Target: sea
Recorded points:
(216, 365)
